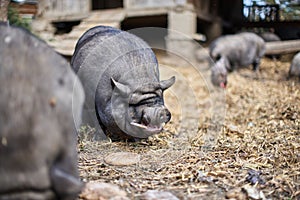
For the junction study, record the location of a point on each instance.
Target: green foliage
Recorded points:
(15, 19)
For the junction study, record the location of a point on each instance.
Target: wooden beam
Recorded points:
(3, 10)
(25, 8)
(282, 47)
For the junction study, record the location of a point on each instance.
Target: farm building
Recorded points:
(202, 20)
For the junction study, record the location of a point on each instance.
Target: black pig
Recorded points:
(120, 76)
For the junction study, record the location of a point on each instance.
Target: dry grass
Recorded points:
(261, 131)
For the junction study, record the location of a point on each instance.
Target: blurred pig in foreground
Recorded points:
(295, 66)
(234, 51)
(38, 157)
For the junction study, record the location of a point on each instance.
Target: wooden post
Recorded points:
(3, 10)
(213, 30)
(182, 28)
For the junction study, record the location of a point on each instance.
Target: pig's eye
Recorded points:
(148, 101)
(222, 76)
(147, 98)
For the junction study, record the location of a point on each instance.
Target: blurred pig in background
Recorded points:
(234, 51)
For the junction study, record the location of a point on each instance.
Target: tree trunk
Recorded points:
(3, 10)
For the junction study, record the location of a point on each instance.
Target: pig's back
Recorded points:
(240, 49)
(106, 44)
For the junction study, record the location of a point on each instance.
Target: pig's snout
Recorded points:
(156, 116)
(164, 115)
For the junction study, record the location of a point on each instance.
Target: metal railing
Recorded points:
(262, 13)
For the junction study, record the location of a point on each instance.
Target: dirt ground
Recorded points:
(219, 144)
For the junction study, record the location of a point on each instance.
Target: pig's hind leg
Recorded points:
(255, 68)
(256, 64)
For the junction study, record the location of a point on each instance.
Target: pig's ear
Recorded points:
(165, 84)
(121, 88)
